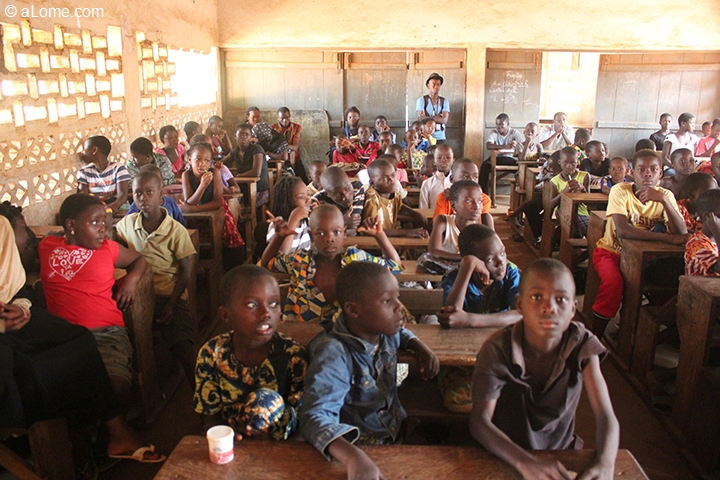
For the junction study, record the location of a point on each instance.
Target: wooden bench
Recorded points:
(518, 190)
(650, 320)
(249, 214)
(702, 430)
(550, 223)
(596, 230)
(496, 173)
(259, 459)
(50, 448)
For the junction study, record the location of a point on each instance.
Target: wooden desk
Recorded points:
(365, 242)
(248, 186)
(697, 308)
(413, 196)
(531, 174)
(567, 215)
(633, 259)
(409, 274)
(453, 347)
(259, 460)
(425, 212)
(209, 225)
(596, 230)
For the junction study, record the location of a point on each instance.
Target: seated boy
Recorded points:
(558, 135)
(619, 170)
(393, 155)
(427, 170)
(710, 144)
(428, 128)
(385, 139)
(251, 377)
(366, 149)
(348, 197)
(463, 169)
(696, 184)
(315, 171)
(582, 138)
(507, 142)
(344, 150)
(595, 163)
(701, 250)
(633, 211)
(311, 296)
(530, 149)
(683, 163)
(141, 154)
(383, 201)
(482, 291)
(440, 181)
(644, 143)
(571, 180)
(167, 247)
(529, 376)
(107, 181)
(351, 388)
(168, 203)
(658, 137)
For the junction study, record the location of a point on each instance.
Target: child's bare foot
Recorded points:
(124, 442)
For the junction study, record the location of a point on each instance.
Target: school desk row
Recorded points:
(258, 459)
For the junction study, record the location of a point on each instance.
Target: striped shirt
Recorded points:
(103, 184)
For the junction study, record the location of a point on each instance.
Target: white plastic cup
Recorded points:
(221, 444)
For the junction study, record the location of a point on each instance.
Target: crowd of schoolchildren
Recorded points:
(341, 390)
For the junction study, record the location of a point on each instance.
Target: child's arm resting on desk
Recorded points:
(124, 289)
(485, 396)
(428, 363)
(607, 433)
(453, 314)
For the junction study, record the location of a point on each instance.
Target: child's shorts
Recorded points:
(182, 326)
(114, 346)
(265, 407)
(456, 388)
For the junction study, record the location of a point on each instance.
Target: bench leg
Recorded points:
(51, 451)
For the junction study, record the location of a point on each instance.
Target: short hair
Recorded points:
(165, 130)
(387, 157)
(706, 124)
(379, 117)
(472, 236)
(317, 163)
(459, 163)
(581, 133)
(11, 212)
(503, 117)
(534, 124)
(283, 110)
(199, 146)
(665, 115)
(429, 156)
(199, 138)
(622, 159)
(75, 205)
(377, 164)
(144, 175)
(102, 144)
(151, 167)
(385, 133)
(591, 144)
(708, 201)
(350, 109)
(696, 181)
(321, 210)
(645, 143)
(354, 280)
(190, 127)
(643, 154)
(416, 122)
(427, 120)
(214, 118)
(557, 114)
(543, 265)
(242, 126)
(685, 117)
(393, 147)
(252, 109)
(142, 145)
(459, 186)
(568, 151)
(716, 123)
(333, 176)
(679, 153)
(232, 281)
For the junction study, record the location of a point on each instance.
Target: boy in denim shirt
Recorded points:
(350, 386)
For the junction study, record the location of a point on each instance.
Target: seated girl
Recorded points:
(203, 191)
(141, 154)
(290, 202)
(220, 140)
(172, 148)
(230, 186)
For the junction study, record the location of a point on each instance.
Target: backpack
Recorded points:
(441, 104)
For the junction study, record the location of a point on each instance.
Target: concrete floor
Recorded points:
(641, 432)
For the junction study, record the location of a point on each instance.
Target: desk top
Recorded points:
(456, 347)
(409, 274)
(425, 212)
(707, 285)
(259, 459)
(648, 247)
(365, 242)
(205, 214)
(586, 197)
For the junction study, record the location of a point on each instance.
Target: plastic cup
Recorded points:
(221, 441)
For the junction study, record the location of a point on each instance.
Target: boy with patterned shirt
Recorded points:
(701, 250)
(633, 211)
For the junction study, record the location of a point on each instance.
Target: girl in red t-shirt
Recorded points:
(78, 276)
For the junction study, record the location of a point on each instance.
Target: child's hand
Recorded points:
(428, 363)
(598, 471)
(206, 179)
(450, 317)
(574, 185)
(124, 292)
(355, 219)
(360, 467)
(372, 226)
(536, 468)
(183, 205)
(298, 214)
(417, 233)
(14, 316)
(478, 267)
(649, 194)
(446, 193)
(280, 225)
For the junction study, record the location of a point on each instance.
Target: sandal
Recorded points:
(139, 455)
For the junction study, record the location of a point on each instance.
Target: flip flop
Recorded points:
(139, 455)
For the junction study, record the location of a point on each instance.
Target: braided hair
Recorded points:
(283, 202)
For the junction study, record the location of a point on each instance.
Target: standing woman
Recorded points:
(434, 106)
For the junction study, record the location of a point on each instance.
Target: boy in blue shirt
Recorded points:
(350, 386)
(482, 291)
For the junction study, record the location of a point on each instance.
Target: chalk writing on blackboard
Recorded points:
(506, 89)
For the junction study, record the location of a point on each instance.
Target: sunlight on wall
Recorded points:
(569, 84)
(196, 77)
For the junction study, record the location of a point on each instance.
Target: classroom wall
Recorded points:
(105, 72)
(523, 24)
